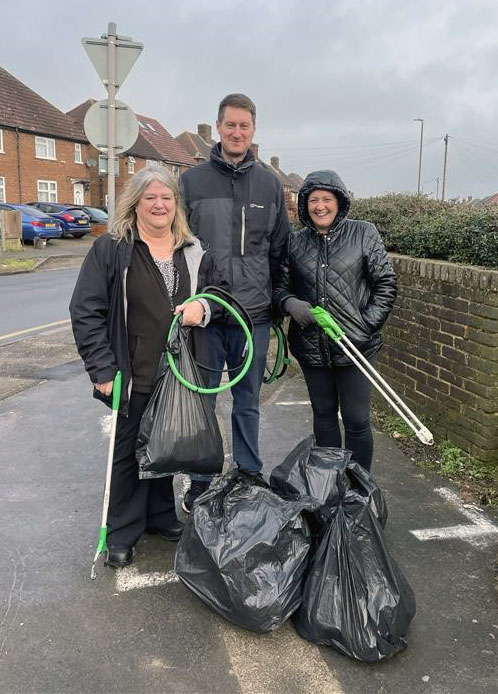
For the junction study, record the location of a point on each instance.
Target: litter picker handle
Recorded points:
(116, 391)
(116, 398)
(335, 332)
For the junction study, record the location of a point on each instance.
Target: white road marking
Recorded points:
(293, 402)
(480, 526)
(105, 425)
(129, 578)
(36, 327)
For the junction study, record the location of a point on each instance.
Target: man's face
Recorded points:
(236, 131)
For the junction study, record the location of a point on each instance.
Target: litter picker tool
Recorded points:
(102, 543)
(335, 332)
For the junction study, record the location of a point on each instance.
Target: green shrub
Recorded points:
(417, 226)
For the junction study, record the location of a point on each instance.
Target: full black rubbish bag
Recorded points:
(321, 472)
(179, 431)
(355, 597)
(244, 551)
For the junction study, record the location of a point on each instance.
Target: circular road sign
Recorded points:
(95, 125)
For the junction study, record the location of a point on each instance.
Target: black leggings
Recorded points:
(345, 387)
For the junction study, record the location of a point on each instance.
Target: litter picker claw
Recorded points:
(335, 332)
(102, 543)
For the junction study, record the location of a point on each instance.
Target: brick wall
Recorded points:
(441, 350)
(23, 173)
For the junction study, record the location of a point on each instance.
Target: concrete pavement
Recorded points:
(140, 630)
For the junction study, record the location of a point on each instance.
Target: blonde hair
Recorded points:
(125, 217)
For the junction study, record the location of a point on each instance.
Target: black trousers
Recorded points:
(343, 387)
(135, 505)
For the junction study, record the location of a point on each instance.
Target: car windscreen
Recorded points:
(98, 214)
(76, 212)
(33, 211)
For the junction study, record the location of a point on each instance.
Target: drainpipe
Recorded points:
(18, 165)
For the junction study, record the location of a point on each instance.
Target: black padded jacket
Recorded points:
(347, 271)
(99, 308)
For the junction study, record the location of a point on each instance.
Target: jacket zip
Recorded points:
(243, 232)
(324, 302)
(125, 307)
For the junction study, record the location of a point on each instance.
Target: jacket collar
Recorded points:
(217, 160)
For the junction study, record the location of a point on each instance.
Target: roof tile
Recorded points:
(21, 107)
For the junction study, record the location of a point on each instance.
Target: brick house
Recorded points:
(154, 145)
(42, 150)
(197, 145)
(290, 192)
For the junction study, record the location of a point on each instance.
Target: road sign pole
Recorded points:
(111, 119)
(113, 57)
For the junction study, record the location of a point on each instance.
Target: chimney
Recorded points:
(255, 150)
(275, 162)
(204, 131)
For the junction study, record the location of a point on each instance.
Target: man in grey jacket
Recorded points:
(238, 208)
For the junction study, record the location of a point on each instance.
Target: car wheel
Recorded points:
(78, 236)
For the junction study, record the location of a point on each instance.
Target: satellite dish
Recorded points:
(91, 163)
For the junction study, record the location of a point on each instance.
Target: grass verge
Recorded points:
(17, 264)
(477, 481)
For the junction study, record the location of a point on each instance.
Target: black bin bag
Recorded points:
(311, 470)
(179, 431)
(244, 551)
(355, 597)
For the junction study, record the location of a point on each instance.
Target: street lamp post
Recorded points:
(421, 121)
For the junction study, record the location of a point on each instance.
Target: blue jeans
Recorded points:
(226, 343)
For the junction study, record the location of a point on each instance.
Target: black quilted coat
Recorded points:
(347, 271)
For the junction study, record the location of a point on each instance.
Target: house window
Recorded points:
(176, 170)
(45, 148)
(1, 141)
(103, 165)
(151, 162)
(47, 191)
(78, 156)
(131, 165)
(2, 187)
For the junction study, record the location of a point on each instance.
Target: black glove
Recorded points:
(299, 311)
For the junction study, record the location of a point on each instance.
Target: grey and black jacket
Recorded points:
(100, 312)
(346, 271)
(240, 212)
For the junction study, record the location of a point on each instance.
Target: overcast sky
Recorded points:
(337, 83)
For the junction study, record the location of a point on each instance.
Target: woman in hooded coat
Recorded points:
(341, 265)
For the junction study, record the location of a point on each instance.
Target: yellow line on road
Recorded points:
(36, 327)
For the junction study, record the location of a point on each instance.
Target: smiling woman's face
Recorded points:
(156, 209)
(323, 207)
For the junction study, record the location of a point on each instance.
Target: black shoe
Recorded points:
(119, 556)
(196, 489)
(172, 534)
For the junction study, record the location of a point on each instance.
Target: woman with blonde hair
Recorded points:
(131, 283)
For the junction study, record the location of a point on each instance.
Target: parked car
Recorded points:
(35, 224)
(96, 214)
(72, 220)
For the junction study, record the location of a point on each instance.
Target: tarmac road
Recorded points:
(29, 300)
(140, 630)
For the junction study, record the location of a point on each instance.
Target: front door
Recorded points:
(78, 194)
